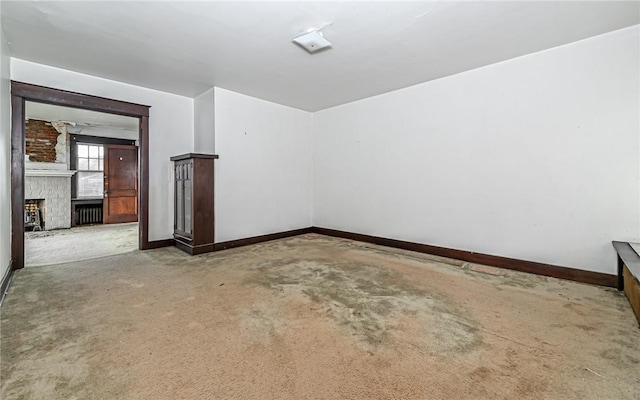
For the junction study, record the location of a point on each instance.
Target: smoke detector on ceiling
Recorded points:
(312, 41)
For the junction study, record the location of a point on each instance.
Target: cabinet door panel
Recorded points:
(188, 201)
(180, 205)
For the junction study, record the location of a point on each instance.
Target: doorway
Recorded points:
(81, 173)
(22, 92)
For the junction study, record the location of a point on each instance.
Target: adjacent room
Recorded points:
(320, 200)
(69, 213)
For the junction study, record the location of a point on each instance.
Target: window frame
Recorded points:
(100, 157)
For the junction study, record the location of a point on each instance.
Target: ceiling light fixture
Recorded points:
(312, 41)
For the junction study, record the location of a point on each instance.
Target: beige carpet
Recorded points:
(79, 243)
(311, 317)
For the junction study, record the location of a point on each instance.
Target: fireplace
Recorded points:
(34, 213)
(54, 186)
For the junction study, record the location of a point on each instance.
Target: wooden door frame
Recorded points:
(22, 92)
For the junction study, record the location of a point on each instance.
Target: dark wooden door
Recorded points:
(120, 184)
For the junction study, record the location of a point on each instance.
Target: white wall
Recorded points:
(534, 158)
(170, 128)
(264, 175)
(5, 154)
(204, 125)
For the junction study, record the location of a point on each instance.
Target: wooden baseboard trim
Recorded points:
(578, 275)
(532, 267)
(4, 284)
(195, 250)
(156, 244)
(259, 239)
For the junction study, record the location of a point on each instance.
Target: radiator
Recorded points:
(89, 215)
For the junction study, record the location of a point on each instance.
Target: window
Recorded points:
(90, 157)
(90, 166)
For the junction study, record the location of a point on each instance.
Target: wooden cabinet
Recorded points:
(193, 227)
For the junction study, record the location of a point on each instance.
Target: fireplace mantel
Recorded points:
(62, 173)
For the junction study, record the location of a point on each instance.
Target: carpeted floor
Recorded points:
(79, 243)
(311, 317)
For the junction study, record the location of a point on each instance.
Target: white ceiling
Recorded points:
(188, 47)
(85, 122)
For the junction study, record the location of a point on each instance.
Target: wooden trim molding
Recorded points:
(43, 94)
(259, 239)
(17, 181)
(4, 284)
(194, 155)
(156, 244)
(194, 250)
(578, 275)
(21, 92)
(143, 194)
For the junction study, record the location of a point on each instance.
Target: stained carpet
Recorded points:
(311, 317)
